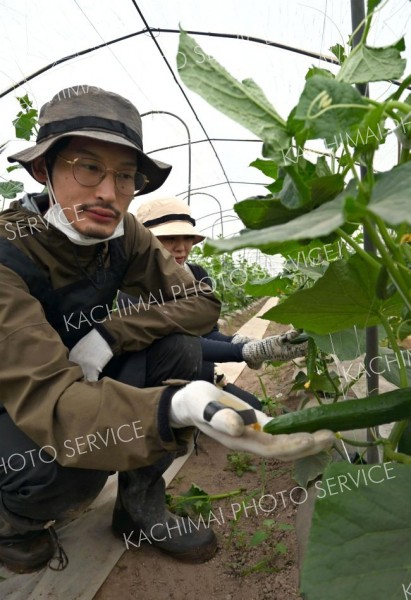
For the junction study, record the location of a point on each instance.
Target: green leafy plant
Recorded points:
(195, 501)
(245, 541)
(26, 120)
(270, 405)
(240, 463)
(308, 207)
(25, 125)
(229, 277)
(267, 531)
(313, 204)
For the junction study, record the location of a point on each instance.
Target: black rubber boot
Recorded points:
(25, 552)
(140, 515)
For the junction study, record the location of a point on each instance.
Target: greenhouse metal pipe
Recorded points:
(226, 218)
(166, 112)
(183, 93)
(371, 333)
(105, 44)
(218, 202)
(217, 212)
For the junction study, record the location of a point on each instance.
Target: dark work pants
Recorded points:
(34, 488)
(221, 351)
(207, 373)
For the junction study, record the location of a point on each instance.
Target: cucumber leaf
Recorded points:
(259, 213)
(342, 298)
(319, 222)
(356, 534)
(346, 344)
(387, 365)
(330, 109)
(339, 52)
(243, 101)
(391, 195)
(366, 64)
(310, 467)
(268, 167)
(273, 286)
(10, 189)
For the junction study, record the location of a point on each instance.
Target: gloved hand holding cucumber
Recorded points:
(237, 426)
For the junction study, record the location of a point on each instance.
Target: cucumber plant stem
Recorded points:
(396, 433)
(396, 349)
(389, 242)
(358, 443)
(351, 164)
(363, 253)
(395, 274)
(391, 454)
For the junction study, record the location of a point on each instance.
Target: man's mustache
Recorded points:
(85, 207)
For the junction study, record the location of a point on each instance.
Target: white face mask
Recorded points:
(56, 217)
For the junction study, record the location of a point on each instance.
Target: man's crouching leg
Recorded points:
(35, 493)
(175, 356)
(140, 512)
(140, 515)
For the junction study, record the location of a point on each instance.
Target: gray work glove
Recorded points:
(223, 417)
(92, 353)
(276, 347)
(241, 339)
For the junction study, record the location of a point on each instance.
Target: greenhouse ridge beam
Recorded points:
(256, 40)
(244, 38)
(122, 38)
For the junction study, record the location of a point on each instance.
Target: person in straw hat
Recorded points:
(171, 222)
(87, 391)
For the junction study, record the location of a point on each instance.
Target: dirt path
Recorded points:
(256, 559)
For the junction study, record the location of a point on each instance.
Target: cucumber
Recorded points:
(350, 414)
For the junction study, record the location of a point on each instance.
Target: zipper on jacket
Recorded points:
(98, 278)
(100, 272)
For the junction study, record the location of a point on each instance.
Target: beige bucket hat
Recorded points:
(94, 113)
(168, 216)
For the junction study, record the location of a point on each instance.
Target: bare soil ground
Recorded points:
(257, 553)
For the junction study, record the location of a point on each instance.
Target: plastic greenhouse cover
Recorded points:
(37, 34)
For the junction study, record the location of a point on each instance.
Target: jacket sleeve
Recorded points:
(168, 299)
(215, 334)
(104, 425)
(201, 275)
(220, 351)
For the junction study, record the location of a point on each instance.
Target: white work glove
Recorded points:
(92, 353)
(276, 347)
(223, 417)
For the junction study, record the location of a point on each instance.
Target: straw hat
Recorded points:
(94, 113)
(168, 216)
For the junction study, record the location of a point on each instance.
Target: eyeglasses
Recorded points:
(90, 172)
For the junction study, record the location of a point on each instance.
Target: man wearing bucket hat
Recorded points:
(86, 390)
(171, 222)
